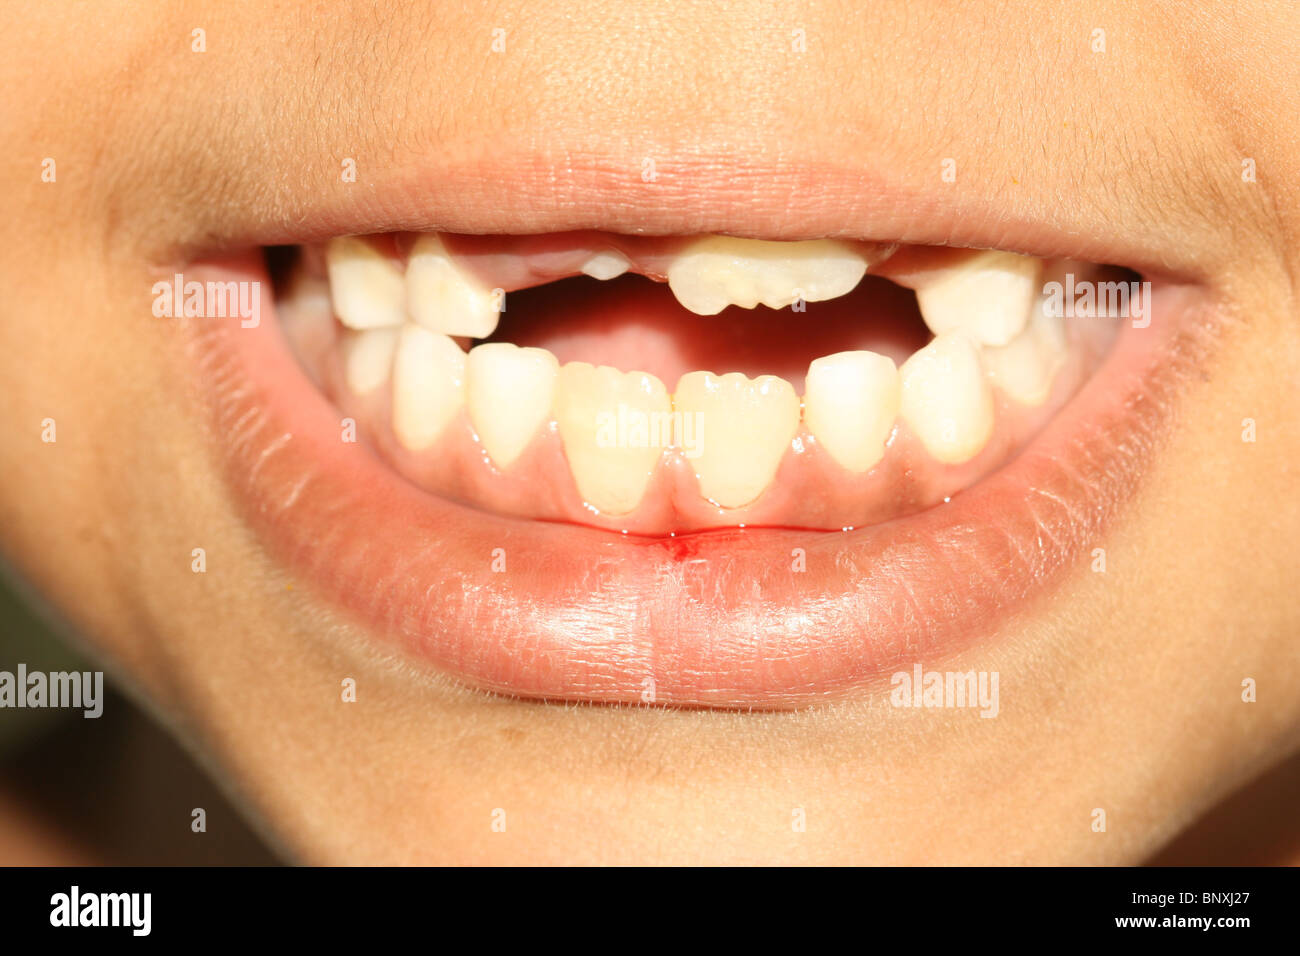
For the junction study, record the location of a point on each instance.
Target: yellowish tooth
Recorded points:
(428, 386)
(988, 295)
(850, 405)
(716, 271)
(946, 399)
(744, 428)
(444, 297)
(509, 392)
(609, 264)
(1026, 368)
(368, 359)
(615, 426)
(365, 285)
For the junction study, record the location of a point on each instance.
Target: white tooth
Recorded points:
(443, 297)
(1026, 368)
(365, 285)
(509, 391)
(368, 359)
(988, 295)
(613, 427)
(1050, 327)
(428, 386)
(606, 265)
(743, 427)
(716, 271)
(946, 400)
(850, 405)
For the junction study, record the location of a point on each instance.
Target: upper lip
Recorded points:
(506, 193)
(715, 619)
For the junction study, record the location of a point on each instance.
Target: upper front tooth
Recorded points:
(508, 392)
(443, 297)
(743, 428)
(850, 403)
(609, 264)
(1026, 368)
(428, 385)
(612, 424)
(946, 400)
(985, 294)
(365, 284)
(716, 271)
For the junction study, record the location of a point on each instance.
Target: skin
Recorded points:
(1121, 691)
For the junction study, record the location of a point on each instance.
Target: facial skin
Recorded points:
(1120, 691)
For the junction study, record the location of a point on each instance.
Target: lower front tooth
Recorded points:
(428, 386)
(743, 427)
(614, 426)
(509, 392)
(368, 359)
(850, 403)
(946, 399)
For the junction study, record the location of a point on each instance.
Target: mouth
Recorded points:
(699, 470)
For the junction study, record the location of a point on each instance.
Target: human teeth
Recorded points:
(443, 297)
(1025, 368)
(988, 295)
(716, 271)
(606, 265)
(428, 385)
(850, 405)
(613, 428)
(365, 284)
(368, 359)
(946, 400)
(509, 392)
(744, 428)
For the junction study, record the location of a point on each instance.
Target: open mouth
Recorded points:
(697, 470)
(753, 384)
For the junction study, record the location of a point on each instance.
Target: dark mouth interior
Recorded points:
(635, 323)
(280, 263)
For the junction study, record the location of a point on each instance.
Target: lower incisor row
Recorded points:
(734, 430)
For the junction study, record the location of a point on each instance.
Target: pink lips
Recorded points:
(738, 618)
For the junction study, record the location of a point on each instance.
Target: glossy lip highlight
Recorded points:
(711, 619)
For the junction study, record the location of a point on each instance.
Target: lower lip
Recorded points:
(737, 618)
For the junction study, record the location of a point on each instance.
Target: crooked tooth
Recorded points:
(509, 393)
(365, 285)
(743, 427)
(946, 399)
(988, 295)
(850, 404)
(1025, 368)
(606, 265)
(443, 297)
(614, 426)
(368, 359)
(428, 385)
(716, 271)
